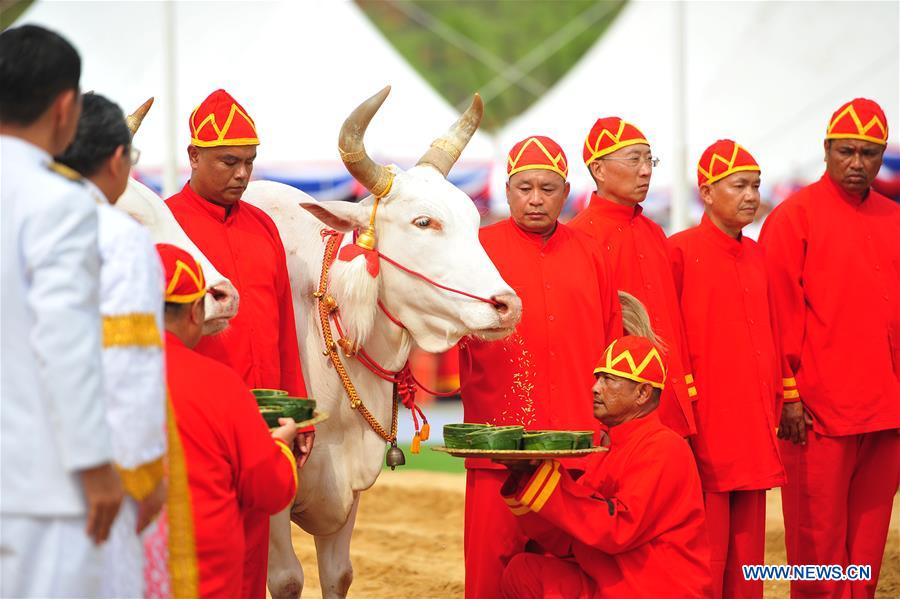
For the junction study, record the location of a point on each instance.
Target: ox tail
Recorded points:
(636, 320)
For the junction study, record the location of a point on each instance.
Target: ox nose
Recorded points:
(509, 308)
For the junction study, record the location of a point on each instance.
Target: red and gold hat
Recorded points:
(634, 358)
(221, 121)
(184, 276)
(608, 135)
(859, 119)
(537, 153)
(722, 159)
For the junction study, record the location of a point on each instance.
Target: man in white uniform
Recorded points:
(131, 308)
(59, 492)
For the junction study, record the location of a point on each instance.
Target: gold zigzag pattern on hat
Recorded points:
(605, 133)
(535, 141)
(636, 369)
(729, 165)
(862, 129)
(223, 131)
(196, 277)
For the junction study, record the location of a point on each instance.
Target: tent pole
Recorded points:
(170, 162)
(678, 215)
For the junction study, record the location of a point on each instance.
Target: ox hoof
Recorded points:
(289, 588)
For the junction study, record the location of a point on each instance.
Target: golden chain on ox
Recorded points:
(326, 306)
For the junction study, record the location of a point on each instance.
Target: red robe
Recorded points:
(540, 377)
(731, 335)
(233, 464)
(636, 251)
(260, 343)
(835, 268)
(633, 523)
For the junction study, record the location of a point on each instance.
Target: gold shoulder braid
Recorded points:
(131, 330)
(65, 171)
(183, 571)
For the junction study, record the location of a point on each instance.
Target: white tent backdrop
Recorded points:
(767, 74)
(299, 68)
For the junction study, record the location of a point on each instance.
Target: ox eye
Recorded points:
(423, 222)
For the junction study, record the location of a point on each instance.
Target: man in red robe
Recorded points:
(834, 255)
(243, 243)
(233, 463)
(618, 157)
(734, 342)
(632, 525)
(540, 376)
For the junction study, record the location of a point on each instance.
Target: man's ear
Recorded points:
(645, 392)
(596, 168)
(115, 164)
(706, 194)
(340, 216)
(198, 311)
(63, 107)
(193, 156)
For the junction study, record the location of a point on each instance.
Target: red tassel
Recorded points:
(349, 252)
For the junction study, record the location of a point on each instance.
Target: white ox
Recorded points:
(429, 226)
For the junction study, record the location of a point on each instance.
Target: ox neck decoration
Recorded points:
(327, 307)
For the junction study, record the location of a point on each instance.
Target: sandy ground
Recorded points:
(408, 541)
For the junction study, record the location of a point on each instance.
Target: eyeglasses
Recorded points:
(636, 161)
(134, 155)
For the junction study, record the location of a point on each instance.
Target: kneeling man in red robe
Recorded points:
(632, 525)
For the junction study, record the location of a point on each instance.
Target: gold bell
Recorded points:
(366, 239)
(395, 456)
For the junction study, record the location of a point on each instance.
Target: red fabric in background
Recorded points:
(736, 522)
(837, 506)
(492, 535)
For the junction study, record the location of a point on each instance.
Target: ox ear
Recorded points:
(340, 216)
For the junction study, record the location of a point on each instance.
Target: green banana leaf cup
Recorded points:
(455, 434)
(496, 438)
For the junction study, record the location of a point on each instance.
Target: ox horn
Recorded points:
(445, 151)
(135, 118)
(373, 176)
